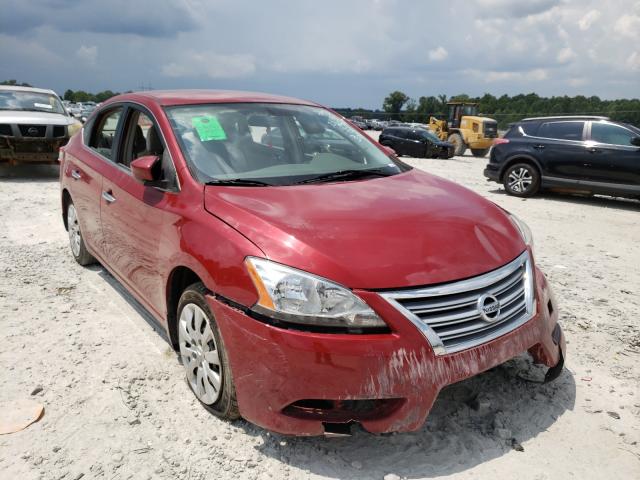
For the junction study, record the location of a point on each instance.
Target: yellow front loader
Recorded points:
(464, 128)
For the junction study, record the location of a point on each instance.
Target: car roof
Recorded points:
(565, 117)
(194, 97)
(15, 88)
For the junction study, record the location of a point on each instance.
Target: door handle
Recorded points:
(539, 147)
(108, 197)
(76, 174)
(593, 150)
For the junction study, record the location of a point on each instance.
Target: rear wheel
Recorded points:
(76, 242)
(203, 355)
(479, 152)
(521, 180)
(458, 142)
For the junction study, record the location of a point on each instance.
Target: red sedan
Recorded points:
(307, 277)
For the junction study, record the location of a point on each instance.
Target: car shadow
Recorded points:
(29, 173)
(604, 201)
(472, 422)
(127, 297)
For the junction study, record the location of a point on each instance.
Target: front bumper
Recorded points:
(274, 368)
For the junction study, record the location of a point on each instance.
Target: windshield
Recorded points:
(274, 144)
(429, 135)
(30, 101)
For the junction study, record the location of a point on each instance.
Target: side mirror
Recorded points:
(389, 150)
(144, 168)
(635, 141)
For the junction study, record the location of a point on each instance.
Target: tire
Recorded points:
(76, 242)
(521, 180)
(458, 142)
(203, 355)
(479, 152)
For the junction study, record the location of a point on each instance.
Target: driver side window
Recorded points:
(611, 134)
(104, 132)
(142, 138)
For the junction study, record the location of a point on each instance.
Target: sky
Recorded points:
(342, 53)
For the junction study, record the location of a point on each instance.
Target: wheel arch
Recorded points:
(528, 159)
(66, 200)
(177, 282)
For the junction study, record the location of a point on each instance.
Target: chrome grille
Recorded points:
(450, 315)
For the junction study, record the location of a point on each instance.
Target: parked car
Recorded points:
(33, 125)
(416, 142)
(304, 290)
(579, 153)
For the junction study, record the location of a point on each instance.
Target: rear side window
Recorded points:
(562, 130)
(611, 134)
(104, 132)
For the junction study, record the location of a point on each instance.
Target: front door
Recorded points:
(138, 219)
(613, 159)
(560, 145)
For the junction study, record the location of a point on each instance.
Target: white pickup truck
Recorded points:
(33, 125)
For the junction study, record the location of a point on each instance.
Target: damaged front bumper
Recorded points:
(303, 383)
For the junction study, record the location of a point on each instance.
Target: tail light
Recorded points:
(500, 141)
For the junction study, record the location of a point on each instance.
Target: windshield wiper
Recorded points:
(347, 175)
(242, 182)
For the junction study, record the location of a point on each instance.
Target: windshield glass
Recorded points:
(429, 135)
(274, 144)
(30, 101)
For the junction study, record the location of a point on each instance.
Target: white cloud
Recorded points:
(438, 54)
(628, 26)
(536, 74)
(588, 19)
(565, 55)
(212, 65)
(88, 55)
(633, 62)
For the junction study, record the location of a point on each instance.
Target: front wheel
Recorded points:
(203, 355)
(479, 152)
(76, 242)
(458, 143)
(521, 180)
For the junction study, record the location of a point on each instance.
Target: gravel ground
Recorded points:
(117, 407)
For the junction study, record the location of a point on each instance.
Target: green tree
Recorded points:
(68, 95)
(394, 102)
(14, 83)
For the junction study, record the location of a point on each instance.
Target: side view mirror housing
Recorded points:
(635, 141)
(389, 150)
(145, 169)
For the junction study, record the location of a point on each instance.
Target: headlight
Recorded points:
(525, 231)
(294, 296)
(74, 127)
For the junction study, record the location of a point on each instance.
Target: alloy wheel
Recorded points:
(199, 353)
(73, 227)
(520, 180)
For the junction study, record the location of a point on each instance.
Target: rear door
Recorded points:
(137, 219)
(561, 148)
(85, 166)
(613, 159)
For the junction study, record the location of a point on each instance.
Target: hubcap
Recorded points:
(199, 354)
(520, 180)
(74, 230)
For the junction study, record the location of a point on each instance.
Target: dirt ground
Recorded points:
(117, 407)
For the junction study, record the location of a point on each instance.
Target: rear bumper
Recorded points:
(492, 172)
(272, 368)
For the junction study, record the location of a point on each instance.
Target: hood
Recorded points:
(405, 230)
(31, 118)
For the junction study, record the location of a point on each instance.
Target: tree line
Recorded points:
(505, 109)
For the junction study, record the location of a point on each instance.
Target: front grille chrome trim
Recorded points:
(450, 323)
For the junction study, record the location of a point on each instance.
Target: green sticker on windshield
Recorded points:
(208, 128)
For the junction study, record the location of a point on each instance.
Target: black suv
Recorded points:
(416, 142)
(581, 154)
